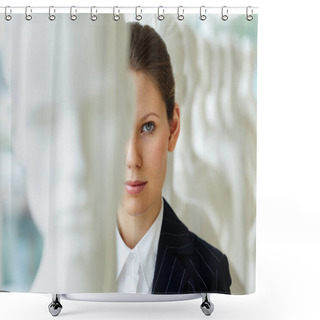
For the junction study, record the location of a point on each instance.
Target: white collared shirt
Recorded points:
(135, 267)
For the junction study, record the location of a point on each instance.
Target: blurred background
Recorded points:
(54, 144)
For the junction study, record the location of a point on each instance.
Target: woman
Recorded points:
(156, 253)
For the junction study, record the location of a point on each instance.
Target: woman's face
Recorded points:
(153, 135)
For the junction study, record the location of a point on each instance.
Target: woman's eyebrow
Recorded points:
(149, 115)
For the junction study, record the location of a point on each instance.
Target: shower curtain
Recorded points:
(68, 107)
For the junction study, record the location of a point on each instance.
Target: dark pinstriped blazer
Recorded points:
(185, 263)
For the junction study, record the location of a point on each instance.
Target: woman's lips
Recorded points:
(134, 187)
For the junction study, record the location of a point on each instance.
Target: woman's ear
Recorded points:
(174, 124)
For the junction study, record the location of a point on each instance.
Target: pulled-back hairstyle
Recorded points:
(148, 53)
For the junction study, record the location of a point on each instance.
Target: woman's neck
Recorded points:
(132, 228)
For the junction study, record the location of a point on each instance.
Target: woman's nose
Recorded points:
(134, 159)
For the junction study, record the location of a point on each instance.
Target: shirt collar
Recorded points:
(145, 250)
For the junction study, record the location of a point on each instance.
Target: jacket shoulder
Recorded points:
(207, 266)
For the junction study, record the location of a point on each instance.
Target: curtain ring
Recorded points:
(73, 16)
(28, 15)
(116, 17)
(93, 16)
(203, 13)
(180, 14)
(52, 16)
(138, 16)
(7, 16)
(160, 16)
(249, 17)
(224, 13)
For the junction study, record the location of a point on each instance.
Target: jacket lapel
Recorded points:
(175, 244)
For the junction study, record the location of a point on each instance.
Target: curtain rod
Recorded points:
(129, 10)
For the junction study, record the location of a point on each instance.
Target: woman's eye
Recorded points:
(148, 127)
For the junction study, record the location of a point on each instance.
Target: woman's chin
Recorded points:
(134, 207)
(141, 205)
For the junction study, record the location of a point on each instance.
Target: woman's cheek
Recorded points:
(158, 156)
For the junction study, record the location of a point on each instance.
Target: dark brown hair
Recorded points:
(148, 53)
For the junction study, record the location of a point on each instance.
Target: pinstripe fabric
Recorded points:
(186, 263)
